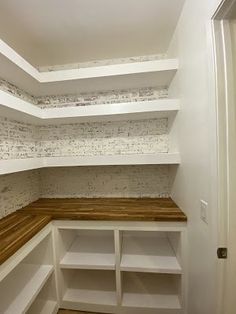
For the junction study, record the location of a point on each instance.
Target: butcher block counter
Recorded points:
(18, 228)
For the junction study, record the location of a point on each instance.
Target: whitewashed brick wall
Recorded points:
(106, 181)
(17, 140)
(110, 138)
(18, 190)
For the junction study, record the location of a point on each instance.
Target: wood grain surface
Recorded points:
(16, 229)
(132, 209)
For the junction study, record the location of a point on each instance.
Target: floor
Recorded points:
(74, 312)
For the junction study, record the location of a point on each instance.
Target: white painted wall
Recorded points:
(196, 132)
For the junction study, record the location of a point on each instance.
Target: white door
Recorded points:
(224, 23)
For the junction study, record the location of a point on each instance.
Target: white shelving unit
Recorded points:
(17, 165)
(14, 107)
(23, 283)
(16, 69)
(147, 274)
(102, 266)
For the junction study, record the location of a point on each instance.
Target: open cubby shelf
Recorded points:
(150, 252)
(90, 250)
(90, 287)
(142, 290)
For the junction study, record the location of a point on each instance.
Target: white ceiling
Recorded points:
(52, 32)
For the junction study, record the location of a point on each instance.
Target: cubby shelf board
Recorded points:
(17, 70)
(15, 108)
(150, 291)
(17, 165)
(91, 287)
(148, 254)
(25, 281)
(93, 252)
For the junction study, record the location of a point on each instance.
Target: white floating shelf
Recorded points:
(15, 108)
(113, 160)
(116, 76)
(142, 290)
(90, 252)
(148, 254)
(17, 165)
(25, 283)
(112, 112)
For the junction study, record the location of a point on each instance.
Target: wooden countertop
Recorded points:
(18, 228)
(132, 209)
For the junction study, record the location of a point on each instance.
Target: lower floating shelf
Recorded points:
(20, 288)
(16, 165)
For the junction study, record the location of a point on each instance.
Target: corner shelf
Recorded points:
(17, 165)
(17, 70)
(148, 253)
(12, 107)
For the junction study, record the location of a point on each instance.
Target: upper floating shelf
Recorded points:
(17, 70)
(21, 110)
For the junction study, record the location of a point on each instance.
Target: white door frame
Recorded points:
(226, 151)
